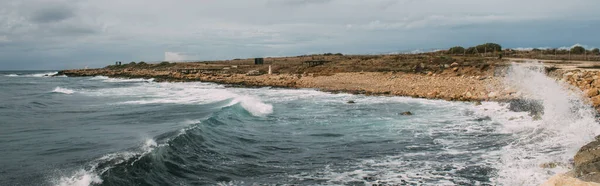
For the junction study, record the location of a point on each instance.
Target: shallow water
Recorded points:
(105, 131)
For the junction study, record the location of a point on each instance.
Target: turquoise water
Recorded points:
(105, 131)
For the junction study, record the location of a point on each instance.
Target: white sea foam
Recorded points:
(90, 176)
(254, 105)
(566, 125)
(11, 75)
(80, 178)
(45, 74)
(63, 90)
(99, 78)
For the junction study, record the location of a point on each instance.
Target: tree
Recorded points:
(489, 47)
(132, 63)
(472, 50)
(596, 51)
(577, 50)
(456, 50)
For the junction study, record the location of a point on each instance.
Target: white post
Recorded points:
(270, 70)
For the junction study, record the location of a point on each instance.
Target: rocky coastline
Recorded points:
(448, 81)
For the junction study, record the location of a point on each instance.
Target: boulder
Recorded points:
(596, 100)
(253, 73)
(351, 102)
(455, 64)
(587, 161)
(591, 92)
(407, 113)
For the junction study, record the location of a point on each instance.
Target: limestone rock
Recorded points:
(596, 100)
(591, 92)
(455, 64)
(253, 73)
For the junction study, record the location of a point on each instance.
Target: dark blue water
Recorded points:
(103, 131)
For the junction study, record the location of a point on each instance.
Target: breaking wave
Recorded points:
(63, 90)
(552, 136)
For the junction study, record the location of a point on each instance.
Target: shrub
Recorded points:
(456, 50)
(132, 63)
(577, 50)
(596, 51)
(142, 63)
(489, 47)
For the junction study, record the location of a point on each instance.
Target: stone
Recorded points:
(253, 73)
(596, 100)
(587, 161)
(455, 64)
(429, 73)
(591, 92)
(477, 103)
(468, 95)
(455, 69)
(408, 113)
(351, 102)
(492, 95)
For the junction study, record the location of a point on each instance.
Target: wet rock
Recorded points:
(587, 161)
(351, 102)
(408, 113)
(477, 103)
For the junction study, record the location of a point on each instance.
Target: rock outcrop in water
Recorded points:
(587, 162)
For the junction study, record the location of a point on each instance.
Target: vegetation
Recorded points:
(456, 50)
(489, 47)
(577, 50)
(596, 51)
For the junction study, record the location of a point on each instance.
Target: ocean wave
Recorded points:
(63, 90)
(91, 175)
(11, 75)
(254, 105)
(565, 124)
(45, 74)
(120, 80)
(189, 93)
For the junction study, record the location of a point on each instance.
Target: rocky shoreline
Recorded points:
(455, 82)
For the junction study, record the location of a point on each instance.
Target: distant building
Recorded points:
(259, 61)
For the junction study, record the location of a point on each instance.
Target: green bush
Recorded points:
(596, 51)
(489, 47)
(456, 50)
(577, 50)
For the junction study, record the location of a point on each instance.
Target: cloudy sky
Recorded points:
(59, 34)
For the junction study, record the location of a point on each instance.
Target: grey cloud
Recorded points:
(52, 13)
(299, 2)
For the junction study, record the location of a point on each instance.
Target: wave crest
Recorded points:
(63, 90)
(254, 105)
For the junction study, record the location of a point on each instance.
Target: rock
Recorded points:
(455, 69)
(455, 64)
(477, 103)
(587, 161)
(591, 92)
(253, 73)
(408, 113)
(482, 78)
(429, 73)
(468, 95)
(351, 102)
(596, 100)
(492, 95)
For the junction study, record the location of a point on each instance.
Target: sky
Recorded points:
(63, 34)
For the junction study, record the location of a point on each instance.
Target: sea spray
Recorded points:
(567, 124)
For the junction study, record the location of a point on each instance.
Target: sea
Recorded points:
(80, 131)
